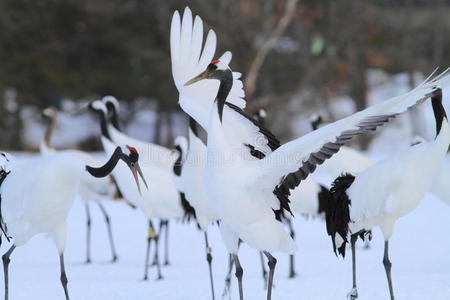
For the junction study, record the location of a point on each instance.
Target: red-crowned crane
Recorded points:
(37, 193)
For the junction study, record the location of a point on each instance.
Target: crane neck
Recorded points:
(103, 123)
(178, 163)
(193, 125)
(114, 116)
(438, 110)
(226, 83)
(108, 167)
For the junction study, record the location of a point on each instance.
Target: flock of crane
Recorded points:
(241, 178)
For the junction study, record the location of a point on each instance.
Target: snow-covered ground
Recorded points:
(419, 251)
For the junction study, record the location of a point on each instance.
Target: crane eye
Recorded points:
(212, 67)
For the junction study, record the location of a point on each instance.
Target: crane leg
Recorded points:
(264, 272)
(166, 243)
(353, 294)
(63, 277)
(156, 259)
(387, 266)
(209, 260)
(6, 261)
(160, 232)
(239, 273)
(151, 233)
(272, 263)
(110, 235)
(88, 233)
(292, 273)
(226, 289)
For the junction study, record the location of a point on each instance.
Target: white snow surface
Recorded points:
(419, 252)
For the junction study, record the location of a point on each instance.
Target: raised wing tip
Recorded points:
(187, 10)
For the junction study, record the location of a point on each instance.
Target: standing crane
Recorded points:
(96, 189)
(37, 193)
(381, 194)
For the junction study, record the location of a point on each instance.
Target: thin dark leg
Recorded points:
(166, 243)
(110, 235)
(150, 235)
(227, 287)
(209, 260)
(239, 273)
(272, 262)
(353, 294)
(292, 273)
(158, 266)
(264, 272)
(387, 266)
(6, 261)
(157, 235)
(63, 275)
(88, 233)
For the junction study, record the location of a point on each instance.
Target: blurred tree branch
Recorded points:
(258, 61)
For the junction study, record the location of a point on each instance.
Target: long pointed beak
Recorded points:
(199, 77)
(137, 170)
(142, 175)
(135, 175)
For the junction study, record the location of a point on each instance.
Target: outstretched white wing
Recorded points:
(190, 57)
(302, 155)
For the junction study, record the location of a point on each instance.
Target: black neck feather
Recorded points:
(226, 82)
(178, 163)
(193, 126)
(103, 123)
(114, 116)
(438, 109)
(107, 168)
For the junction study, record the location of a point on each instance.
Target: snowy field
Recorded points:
(419, 252)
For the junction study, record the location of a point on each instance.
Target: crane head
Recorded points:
(215, 70)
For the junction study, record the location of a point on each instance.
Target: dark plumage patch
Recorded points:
(178, 163)
(323, 196)
(189, 211)
(255, 152)
(193, 126)
(438, 109)
(337, 212)
(3, 227)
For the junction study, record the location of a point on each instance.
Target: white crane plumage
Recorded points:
(91, 190)
(37, 194)
(191, 182)
(385, 192)
(161, 200)
(241, 187)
